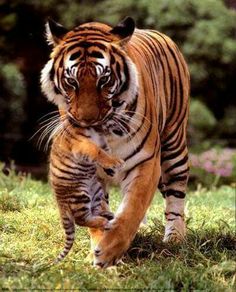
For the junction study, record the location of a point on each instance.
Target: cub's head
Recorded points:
(90, 75)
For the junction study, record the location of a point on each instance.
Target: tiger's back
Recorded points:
(166, 85)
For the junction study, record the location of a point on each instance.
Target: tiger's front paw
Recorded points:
(175, 230)
(114, 165)
(112, 246)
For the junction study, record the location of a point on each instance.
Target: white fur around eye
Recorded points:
(48, 86)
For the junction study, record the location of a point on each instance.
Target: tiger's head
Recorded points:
(90, 75)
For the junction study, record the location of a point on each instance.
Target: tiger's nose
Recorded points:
(87, 121)
(83, 119)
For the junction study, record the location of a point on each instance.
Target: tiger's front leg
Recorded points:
(96, 233)
(139, 188)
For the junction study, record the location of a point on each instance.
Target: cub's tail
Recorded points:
(69, 227)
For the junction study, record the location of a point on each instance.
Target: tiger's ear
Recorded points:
(124, 30)
(54, 32)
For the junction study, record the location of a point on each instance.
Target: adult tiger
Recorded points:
(129, 88)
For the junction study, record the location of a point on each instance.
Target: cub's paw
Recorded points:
(107, 214)
(96, 221)
(115, 165)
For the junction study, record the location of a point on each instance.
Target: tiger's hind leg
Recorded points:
(173, 184)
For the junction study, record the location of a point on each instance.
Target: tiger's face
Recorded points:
(89, 74)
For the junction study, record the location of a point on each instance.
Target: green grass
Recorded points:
(31, 237)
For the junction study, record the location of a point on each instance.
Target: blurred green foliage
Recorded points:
(201, 121)
(204, 30)
(11, 110)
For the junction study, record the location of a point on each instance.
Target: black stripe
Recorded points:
(136, 165)
(174, 98)
(181, 172)
(180, 81)
(167, 146)
(86, 45)
(173, 155)
(97, 191)
(79, 199)
(174, 130)
(173, 213)
(89, 28)
(143, 161)
(95, 54)
(75, 55)
(98, 39)
(113, 60)
(132, 107)
(52, 72)
(63, 177)
(125, 85)
(68, 233)
(177, 194)
(160, 60)
(140, 146)
(82, 209)
(62, 170)
(169, 67)
(149, 60)
(177, 164)
(73, 163)
(142, 122)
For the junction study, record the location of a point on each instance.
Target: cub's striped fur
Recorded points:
(79, 193)
(130, 86)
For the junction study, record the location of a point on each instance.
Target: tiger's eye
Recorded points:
(117, 103)
(72, 82)
(103, 79)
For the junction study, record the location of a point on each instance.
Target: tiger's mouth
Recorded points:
(82, 124)
(116, 106)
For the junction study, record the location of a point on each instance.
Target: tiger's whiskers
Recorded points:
(50, 127)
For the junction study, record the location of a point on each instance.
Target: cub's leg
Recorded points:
(173, 183)
(138, 188)
(84, 146)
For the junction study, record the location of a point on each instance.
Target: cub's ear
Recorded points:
(54, 32)
(124, 30)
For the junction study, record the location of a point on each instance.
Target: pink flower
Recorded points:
(218, 162)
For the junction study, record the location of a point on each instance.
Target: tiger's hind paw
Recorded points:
(175, 231)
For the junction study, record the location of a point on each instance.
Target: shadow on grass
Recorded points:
(200, 245)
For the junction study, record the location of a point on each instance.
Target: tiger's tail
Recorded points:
(69, 227)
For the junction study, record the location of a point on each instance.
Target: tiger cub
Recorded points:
(72, 172)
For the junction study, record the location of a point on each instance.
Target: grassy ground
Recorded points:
(31, 237)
